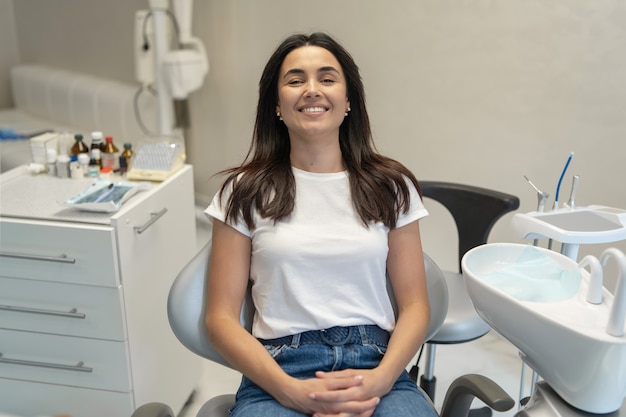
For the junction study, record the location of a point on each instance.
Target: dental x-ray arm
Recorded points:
(177, 72)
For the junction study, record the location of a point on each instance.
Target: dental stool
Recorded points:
(475, 210)
(186, 311)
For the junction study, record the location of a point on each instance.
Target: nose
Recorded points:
(312, 89)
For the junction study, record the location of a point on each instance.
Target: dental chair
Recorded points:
(186, 311)
(475, 210)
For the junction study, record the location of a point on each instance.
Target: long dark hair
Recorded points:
(265, 181)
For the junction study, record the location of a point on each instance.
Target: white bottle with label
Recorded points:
(63, 166)
(51, 160)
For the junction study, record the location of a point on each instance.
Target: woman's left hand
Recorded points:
(372, 386)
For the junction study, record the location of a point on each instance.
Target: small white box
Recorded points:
(39, 146)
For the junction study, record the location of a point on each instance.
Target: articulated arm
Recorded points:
(467, 387)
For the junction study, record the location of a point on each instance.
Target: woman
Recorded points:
(315, 217)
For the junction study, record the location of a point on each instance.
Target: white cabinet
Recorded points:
(83, 299)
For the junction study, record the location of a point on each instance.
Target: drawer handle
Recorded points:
(61, 258)
(154, 217)
(79, 367)
(73, 313)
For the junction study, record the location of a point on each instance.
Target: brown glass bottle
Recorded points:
(79, 146)
(125, 158)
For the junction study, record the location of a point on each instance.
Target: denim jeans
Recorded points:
(301, 356)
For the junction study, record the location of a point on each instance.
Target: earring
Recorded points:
(346, 113)
(279, 116)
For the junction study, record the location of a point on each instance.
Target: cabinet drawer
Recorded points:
(64, 360)
(24, 398)
(64, 309)
(64, 252)
(161, 231)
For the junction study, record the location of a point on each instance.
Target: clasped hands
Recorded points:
(346, 393)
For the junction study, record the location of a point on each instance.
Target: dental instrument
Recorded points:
(615, 326)
(106, 194)
(558, 186)
(542, 196)
(572, 195)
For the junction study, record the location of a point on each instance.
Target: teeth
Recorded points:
(313, 109)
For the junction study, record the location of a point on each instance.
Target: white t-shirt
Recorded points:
(320, 267)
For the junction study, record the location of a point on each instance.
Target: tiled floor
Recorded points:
(490, 356)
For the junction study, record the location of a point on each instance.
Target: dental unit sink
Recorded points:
(573, 227)
(566, 325)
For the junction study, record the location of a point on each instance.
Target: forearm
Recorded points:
(406, 339)
(244, 352)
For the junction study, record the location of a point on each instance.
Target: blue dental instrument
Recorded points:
(558, 187)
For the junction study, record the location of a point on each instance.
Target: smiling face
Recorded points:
(312, 94)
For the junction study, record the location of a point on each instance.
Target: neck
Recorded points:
(317, 157)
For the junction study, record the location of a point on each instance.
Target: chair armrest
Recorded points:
(465, 388)
(153, 410)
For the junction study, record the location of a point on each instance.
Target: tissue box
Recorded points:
(39, 146)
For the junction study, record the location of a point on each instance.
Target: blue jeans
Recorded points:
(356, 347)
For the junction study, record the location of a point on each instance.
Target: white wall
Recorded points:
(9, 55)
(478, 91)
(482, 92)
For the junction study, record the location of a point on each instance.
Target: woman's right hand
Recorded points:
(300, 395)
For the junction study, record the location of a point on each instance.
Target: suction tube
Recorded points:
(558, 186)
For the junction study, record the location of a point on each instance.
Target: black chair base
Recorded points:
(428, 385)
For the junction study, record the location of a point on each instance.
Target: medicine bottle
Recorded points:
(93, 170)
(63, 166)
(83, 160)
(51, 162)
(79, 146)
(76, 170)
(96, 155)
(97, 139)
(126, 158)
(110, 155)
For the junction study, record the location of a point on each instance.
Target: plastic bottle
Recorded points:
(96, 155)
(110, 155)
(51, 162)
(83, 160)
(63, 159)
(126, 158)
(93, 170)
(97, 143)
(76, 170)
(63, 166)
(79, 146)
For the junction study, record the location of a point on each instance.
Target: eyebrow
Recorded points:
(321, 70)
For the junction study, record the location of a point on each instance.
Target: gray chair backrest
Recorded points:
(187, 299)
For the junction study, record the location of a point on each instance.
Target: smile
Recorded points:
(313, 109)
